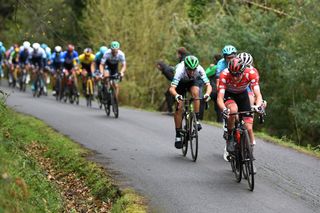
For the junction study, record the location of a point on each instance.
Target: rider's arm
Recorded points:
(173, 91)
(221, 92)
(205, 80)
(254, 78)
(123, 69)
(257, 94)
(102, 62)
(208, 89)
(220, 101)
(92, 67)
(124, 63)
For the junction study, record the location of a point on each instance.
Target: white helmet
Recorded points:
(26, 44)
(36, 46)
(58, 49)
(246, 58)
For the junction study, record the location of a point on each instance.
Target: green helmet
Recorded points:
(115, 45)
(191, 62)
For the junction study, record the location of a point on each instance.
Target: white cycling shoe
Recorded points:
(225, 154)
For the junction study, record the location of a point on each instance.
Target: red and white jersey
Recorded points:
(250, 78)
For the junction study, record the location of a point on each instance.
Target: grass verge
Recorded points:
(26, 184)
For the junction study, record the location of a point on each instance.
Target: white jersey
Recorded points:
(181, 73)
(109, 58)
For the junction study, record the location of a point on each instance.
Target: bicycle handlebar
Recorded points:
(261, 116)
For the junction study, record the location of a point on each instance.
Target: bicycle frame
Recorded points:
(189, 128)
(242, 159)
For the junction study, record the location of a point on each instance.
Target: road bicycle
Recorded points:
(70, 91)
(38, 84)
(189, 130)
(23, 78)
(59, 84)
(109, 96)
(241, 159)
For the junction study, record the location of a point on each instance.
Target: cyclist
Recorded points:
(14, 65)
(24, 57)
(70, 59)
(192, 74)
(87, 68)
(233, 96)
(37, 58)
(112, 58)
(2, 57)
(56, 65)
(99, 55)
(97, 74)
(228, 53)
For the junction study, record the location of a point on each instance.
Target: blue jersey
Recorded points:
(68, 58)
(24, 56)
(2, 52)
(56, 61)
(221, 65)
(98, 57)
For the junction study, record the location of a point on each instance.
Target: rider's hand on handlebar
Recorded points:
(178, 97)
(258, 109)
(225, 113)
(206, 97)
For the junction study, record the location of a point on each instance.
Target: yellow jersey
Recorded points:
(86, 60)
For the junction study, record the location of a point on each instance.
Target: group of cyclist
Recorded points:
(236, 84)
(236, 80)
(38, 60)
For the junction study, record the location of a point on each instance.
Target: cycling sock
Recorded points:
(178, 130)
(197, 115)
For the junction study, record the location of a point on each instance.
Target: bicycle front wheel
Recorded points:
(248, 159)
(114, 104)
(184, 136)
(193, 134)
(236, 164)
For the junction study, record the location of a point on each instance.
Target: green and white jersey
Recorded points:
(181, 73)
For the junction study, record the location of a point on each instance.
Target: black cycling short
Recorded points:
(185, 85)
(241, 99)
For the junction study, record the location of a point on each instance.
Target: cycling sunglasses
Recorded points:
(236, 74)
(231, 56)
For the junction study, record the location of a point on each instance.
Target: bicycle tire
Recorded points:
(236, 165)
(184, 135)
(114, 104)
(193, 136)
(58, 89)
(248, 159)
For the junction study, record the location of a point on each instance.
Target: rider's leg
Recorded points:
(116, 87)
(249, 125)
(230, 104)
(74, 74)
(195, 94)
(178, 124)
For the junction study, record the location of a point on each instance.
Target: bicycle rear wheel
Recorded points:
(248, 159)
(193, 136)
(184, 134)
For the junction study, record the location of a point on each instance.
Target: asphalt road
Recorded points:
(138, 149)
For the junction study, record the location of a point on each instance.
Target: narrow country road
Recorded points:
(138, 149)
